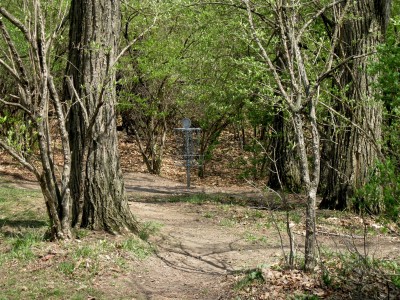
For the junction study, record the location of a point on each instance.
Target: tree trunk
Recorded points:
(285, 167)
(285, 170)
(352, 150)
(94, 31)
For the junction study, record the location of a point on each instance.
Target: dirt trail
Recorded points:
(194, 254)
(147, 185)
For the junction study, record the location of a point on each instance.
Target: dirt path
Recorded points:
(194, 253)
(147, 185)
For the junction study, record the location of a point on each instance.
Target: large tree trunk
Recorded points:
(285, 169)
(96, 183)
(352, 146)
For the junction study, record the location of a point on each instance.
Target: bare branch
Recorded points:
(314, 17)
(339, 65)
(11, 71)
(267, 59)
(41, 38)
(20, 159)
(335, 38)
(366, 135)
(64, 17)
(16, 23)
(20, 106)
(254, 12)
(64, 139)
(14, 52)
(131, 43)
(74, 92)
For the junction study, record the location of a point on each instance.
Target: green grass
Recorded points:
(342, 272)
(33, 268)
(23, 223)
(45, 284)
(255, 238)
(137, 247)
(209, 215)
(16, 204)
(305, 297)
(251, 277)
(22, 247)
(194, 198)
(149, 228)
(66, 267)
(228, 222)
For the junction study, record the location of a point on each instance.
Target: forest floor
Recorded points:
(212, 242)
(221, 239)
(204, 237)
(206, 243)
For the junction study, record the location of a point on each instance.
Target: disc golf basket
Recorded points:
(187, 139)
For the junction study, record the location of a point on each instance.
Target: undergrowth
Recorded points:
(32, 267)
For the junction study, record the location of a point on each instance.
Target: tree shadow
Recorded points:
(12, 228)
(207, 260)
(12, 176)
(269, 202)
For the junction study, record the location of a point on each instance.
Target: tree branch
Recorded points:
(11, 71)
(366, 135)
(343, 62)
(20, 106)
(267, 59)
(15, 55)
(16, 23)
(131, 43)
(261, 16)
(74, 92)
(313, 18)
(20, 159)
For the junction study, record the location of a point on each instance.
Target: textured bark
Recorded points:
(285, 167)
(352, 150)
(37, 96)
(94, 31)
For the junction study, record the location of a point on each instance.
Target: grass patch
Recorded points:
(46, 284)
(362, 276)
(66, 267)
(209, 215)
(227, 222)
(22, 246)
(149, 228)
(254, 238)
(250, 278)
(305, 297)
(33, 268)
(16, 204)
(23, 223)
(137, 247)
(195, 198)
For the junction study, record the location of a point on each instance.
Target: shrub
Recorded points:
(381, 195)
